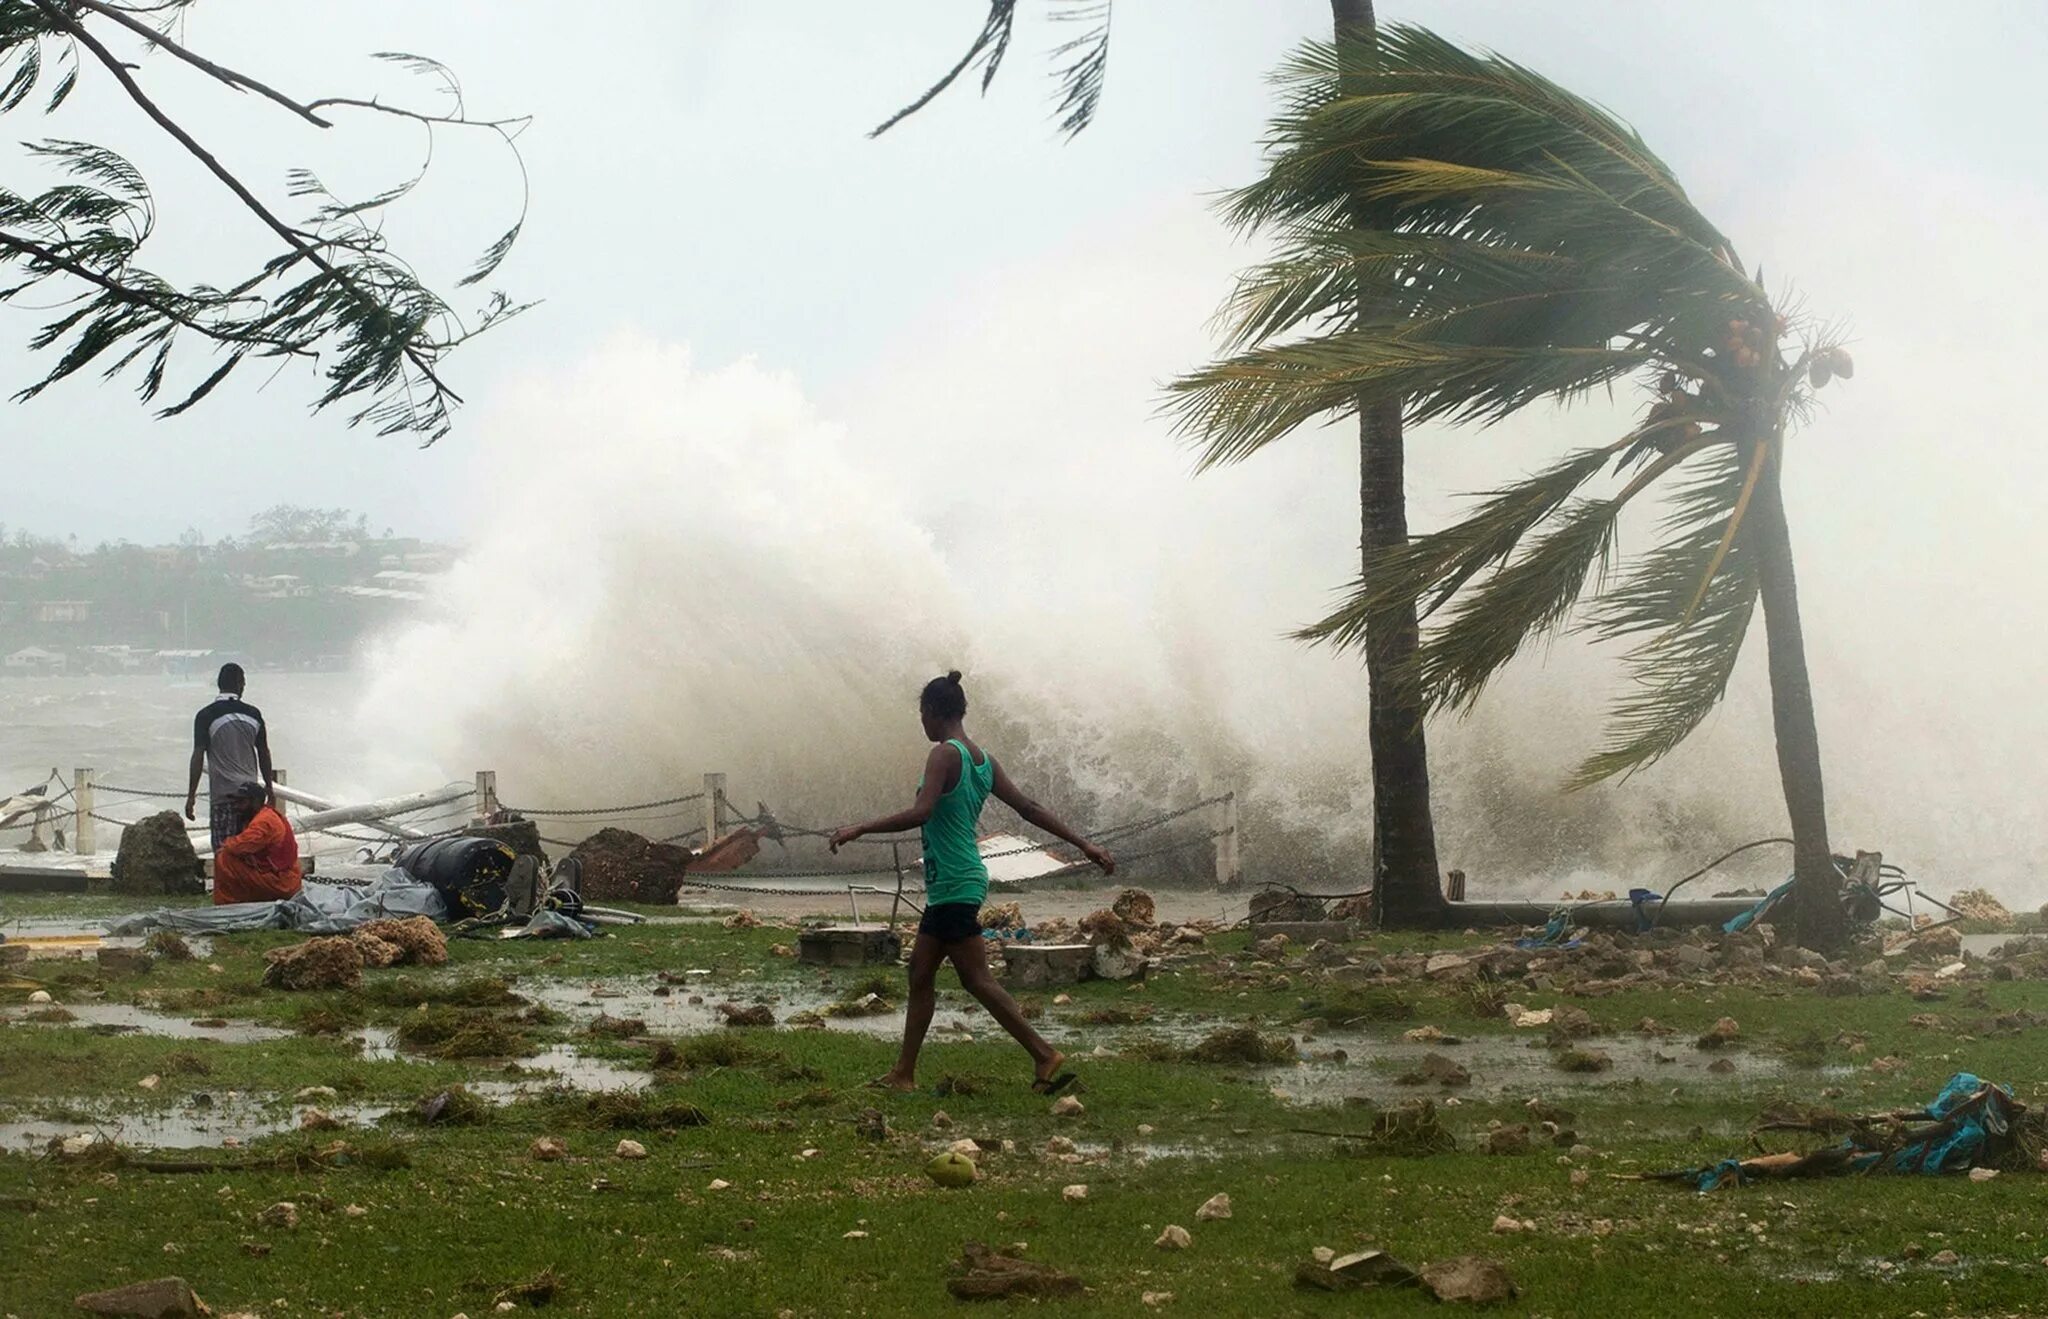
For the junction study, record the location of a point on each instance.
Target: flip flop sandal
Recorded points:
(1053, 1085)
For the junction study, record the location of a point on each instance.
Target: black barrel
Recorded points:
(469, 873)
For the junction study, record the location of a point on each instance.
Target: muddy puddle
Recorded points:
(674, 1013)
(553, 1067)
(1504, 1066)
(203, 1122)
(124, 1018)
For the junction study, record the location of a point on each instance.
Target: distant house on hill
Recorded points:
(63, 611)
(34, 659)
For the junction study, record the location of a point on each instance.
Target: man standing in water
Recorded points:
(232, 744)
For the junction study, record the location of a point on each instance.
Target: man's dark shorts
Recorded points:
(950, 922)
(228, 817)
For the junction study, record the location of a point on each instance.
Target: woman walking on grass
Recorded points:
(958, 778)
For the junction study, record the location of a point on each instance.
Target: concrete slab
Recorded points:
(1047, 965)
(849, 945)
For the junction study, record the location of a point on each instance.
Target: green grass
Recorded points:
(472, 1214)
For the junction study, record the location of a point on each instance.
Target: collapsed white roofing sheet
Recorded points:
(1012, 859)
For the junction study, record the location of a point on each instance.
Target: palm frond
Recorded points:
(1236, 407)
(1080, 65)
(1680, 671)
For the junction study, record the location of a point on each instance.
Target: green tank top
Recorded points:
(953, 868)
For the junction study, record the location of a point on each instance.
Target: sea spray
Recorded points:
(677, 569)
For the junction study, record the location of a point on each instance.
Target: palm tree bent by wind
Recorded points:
(1463, 235)
(1406, 886)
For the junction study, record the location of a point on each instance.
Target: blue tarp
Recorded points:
(1972, 1121)
(315, 909)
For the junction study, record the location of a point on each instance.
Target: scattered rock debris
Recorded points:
(161, 1298)
(1469, 1280)
(1215, 1207)
(1175, 1237)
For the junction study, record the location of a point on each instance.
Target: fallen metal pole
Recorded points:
(373, 812)
(1611, 914)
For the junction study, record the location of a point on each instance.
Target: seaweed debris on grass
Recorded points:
(1369, 1005)
(407, 991)
(442, 1032)
(721, 1050)
(456, 1106)
(622, 1110)
(169, 945)
(1242, 1045)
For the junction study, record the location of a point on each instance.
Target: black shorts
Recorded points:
(950, 922)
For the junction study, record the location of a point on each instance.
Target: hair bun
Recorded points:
(953, 676)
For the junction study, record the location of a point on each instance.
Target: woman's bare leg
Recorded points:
(970, 959)
(925, 956)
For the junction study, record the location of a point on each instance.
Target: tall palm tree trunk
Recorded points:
(1817, 893)
(1407, 890)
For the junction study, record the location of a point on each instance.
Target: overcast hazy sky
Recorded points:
(961, 332)
(700, 175)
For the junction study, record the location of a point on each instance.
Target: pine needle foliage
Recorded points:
(1459, 233)
(331, 293)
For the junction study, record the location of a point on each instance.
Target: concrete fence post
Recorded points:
(1227, 872)
(82, 841)
(714, 808)
(486, 794)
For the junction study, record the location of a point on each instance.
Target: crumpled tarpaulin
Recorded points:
(1972, 1123)
(315, 909)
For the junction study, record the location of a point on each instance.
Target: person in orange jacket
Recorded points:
(261, 863)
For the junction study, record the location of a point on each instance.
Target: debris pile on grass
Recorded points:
(1595, 963)
(869, 1004)
(1284, 904)
(982, 1274)
(1436, 1069)
(415, 941)
(1978, 905)
(618, 1028)
(324, 963)
(622, 866)
(1002, 917)
(1410, 1129)
(169, 945)
(1242, 1046)
(156, 856)
(453, 1107)
(621, 1110)
(1135, 908)
(754, 1014)
(445, 1032)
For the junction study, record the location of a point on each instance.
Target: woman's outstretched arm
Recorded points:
(1033, 813)
(928, 794)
